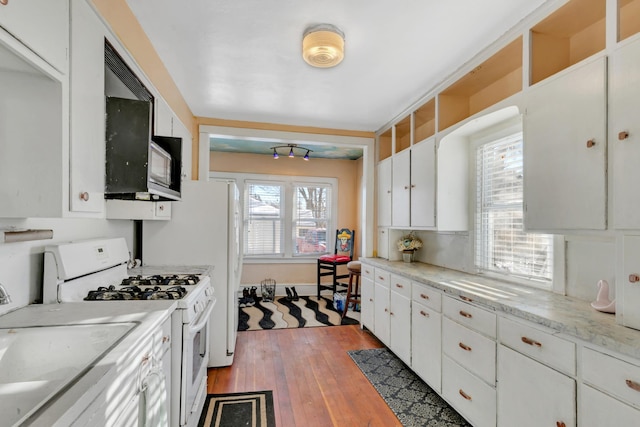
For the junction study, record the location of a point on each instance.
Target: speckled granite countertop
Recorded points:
(573, 317)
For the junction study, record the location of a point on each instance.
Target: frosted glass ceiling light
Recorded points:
(323, 45)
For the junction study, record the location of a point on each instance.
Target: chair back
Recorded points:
(344, 242)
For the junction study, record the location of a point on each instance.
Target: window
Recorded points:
(502, 245)
(288, 218)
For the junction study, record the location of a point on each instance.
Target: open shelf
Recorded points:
(567, 36)
(424, 121)
(628, 18)
(495, 79)
(385, 141)
(403, 134)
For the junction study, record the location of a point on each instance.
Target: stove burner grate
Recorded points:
(134, 292)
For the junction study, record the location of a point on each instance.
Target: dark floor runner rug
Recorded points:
(283, 313)
(411, 399)
(238, 410)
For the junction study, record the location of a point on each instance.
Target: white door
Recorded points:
(565, 151)
(531, 394)
(624, 111)
(384, 192)
(423, 184)
(401, 190)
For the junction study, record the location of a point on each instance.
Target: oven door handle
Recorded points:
(202, 321)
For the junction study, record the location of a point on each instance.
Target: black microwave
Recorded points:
(139, 166)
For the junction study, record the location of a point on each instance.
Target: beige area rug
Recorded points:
(307, 311)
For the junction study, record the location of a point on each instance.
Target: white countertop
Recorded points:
(148, 314)
(571, 316)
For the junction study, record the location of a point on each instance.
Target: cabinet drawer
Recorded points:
(382, 277)
(540, 345)
(367, 271)
(427, 295)
(471, 397)
(475, 352)
(401, 285)
(471, 316)
(598, 409)
(614, 376)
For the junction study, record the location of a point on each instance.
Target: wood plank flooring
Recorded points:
(314, 381)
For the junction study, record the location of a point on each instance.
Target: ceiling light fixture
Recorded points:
(323, 46)
(291, 148)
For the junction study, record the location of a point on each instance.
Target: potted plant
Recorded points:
(408, 244)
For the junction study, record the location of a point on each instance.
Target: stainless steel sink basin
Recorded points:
(38, 363)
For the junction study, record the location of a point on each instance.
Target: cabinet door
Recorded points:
(383, 243)
(381, 313)
(426, 357)
(384, 192)
(87, 145)
(598, 409)
(367, 304)
(180, 131)
(401, 192)
(630, 286)
(423, 184)
(624, 104)
(163, 118)
(42, 25)
(531, 394)
(565, 151)
(400, 326)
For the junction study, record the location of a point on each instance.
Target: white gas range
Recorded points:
(96, 271)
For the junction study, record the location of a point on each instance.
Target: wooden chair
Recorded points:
(342, 255)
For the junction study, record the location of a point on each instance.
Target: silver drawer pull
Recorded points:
(465, 314)
(398, 285)
(424, 313)
(531, 342)
(463, 394)
(423, 296)
(464, 346)
(633, 385)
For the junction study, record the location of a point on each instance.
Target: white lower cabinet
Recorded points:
(400, 318)
(367, 317)
(381, 312)
(470, 396)
(426, 348)
(598, 409)
(532, 394)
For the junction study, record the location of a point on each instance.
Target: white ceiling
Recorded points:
(241, 59)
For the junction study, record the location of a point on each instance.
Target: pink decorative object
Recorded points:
(602, 302)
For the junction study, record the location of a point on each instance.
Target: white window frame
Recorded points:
(499, 131)
(288, 181)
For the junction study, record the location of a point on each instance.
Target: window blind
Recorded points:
(502, 245)
(263, 218)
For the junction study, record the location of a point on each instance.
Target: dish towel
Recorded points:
(153, 398)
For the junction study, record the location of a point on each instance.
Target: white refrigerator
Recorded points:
(205, 229)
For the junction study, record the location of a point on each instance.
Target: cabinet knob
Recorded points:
(463, 298)
(623, 135)
(531, 342)
(161, 208)
(591, 143)
(424, 313)
(632, 385)
(406, 187)
(388, 191)
(465, 314)
(398, 285)
(560, 424)
(633, 278)
(463, 394)
(423, 296)
(464, 346)
(84, 195)
(413, 186)
(165, 339)
(4, 2)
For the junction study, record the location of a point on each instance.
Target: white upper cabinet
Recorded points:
(41, 25)
(163, 120)
(384, 192)
(180, 131)
(423, 184)
(624, 105)
(565, 151)
(87, 111)
(401, 189)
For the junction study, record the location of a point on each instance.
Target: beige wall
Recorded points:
(348, 173)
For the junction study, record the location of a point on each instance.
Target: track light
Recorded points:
(291, 148)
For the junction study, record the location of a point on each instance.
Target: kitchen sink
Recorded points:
(39, 363)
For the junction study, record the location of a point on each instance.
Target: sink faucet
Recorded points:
(4, 295)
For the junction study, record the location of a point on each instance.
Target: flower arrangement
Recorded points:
(409, 242)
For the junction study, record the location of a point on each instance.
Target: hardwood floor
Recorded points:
(314, 381)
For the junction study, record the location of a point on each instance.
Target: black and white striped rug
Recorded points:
(281, 313)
